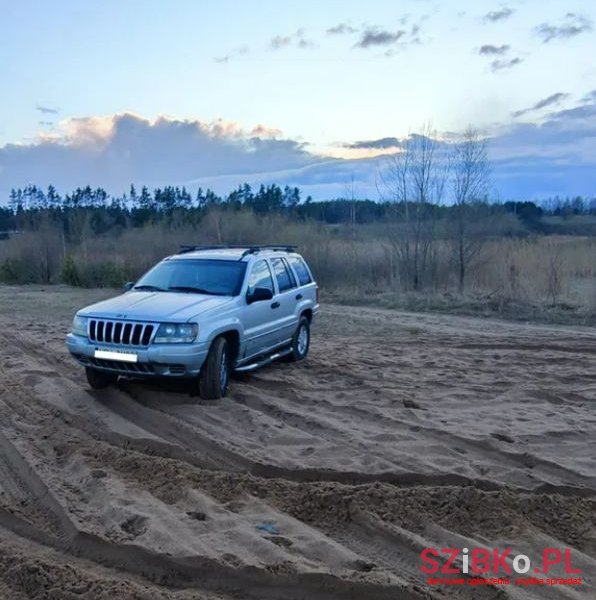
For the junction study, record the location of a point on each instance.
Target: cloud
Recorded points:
(394, 41)
(341, 29)
(263, 131)
(490, 50)
(46, 110)
(117, 150)
(504, 64)
(379, 144)
(589, 97)
(499, 64)
(232, 54)
(498, 15)
(373, 36)
(280, 41)
(555, 156)
(554, 99)
(571, 26)
(367, 148)
(534, 160)
(528, 160)
(297, 40)
(549, 101)
(323, 179)
(303, 43)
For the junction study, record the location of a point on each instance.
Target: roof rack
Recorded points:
(247, 248)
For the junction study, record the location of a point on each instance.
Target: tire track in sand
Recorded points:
(179, 440)
(171, 571)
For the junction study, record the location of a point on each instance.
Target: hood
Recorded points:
(155, 306)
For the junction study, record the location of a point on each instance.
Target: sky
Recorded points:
(306, 93)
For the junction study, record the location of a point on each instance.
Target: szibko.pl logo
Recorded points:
(496, 563)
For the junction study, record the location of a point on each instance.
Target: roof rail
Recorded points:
(248, 249)
(274, 247)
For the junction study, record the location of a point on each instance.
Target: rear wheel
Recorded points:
(300, 341)
(215, 376)
(100, 380)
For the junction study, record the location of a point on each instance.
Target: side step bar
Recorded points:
(263, 362)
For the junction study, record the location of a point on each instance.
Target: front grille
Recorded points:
(120, 332)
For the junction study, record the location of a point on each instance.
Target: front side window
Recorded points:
(260, 276)
(201, 276)
(301, 270)
(285, 278)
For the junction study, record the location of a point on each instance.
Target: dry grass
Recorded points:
(547, 277)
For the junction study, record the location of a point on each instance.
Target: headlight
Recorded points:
(79, 326)
(176, 333)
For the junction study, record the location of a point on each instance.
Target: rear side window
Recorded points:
(285, 278)
(301, 270)
(260, 276)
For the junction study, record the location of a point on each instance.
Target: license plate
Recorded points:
(115, 355)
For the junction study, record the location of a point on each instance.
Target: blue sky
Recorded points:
(217, 92)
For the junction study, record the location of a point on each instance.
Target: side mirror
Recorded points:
(258, 295)
(128, 286)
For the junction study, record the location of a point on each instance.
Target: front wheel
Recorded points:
(300, 341)
(100, 380)
(215, 376)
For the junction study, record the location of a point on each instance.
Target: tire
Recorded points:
(215, 375)
(99, 380)
(300, 341)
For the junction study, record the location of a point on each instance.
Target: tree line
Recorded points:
(31, 205)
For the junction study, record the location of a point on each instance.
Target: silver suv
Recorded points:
(201, 314)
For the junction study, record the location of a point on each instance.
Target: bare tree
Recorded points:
(469, 186)
(414, 180)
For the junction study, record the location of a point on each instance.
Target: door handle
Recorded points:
(275, 305)
(298, 296)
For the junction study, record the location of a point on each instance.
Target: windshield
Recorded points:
(217, 277)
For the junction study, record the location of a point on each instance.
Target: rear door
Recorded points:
(284, 305)
(307, 292)
(302, 271)
(260, 327)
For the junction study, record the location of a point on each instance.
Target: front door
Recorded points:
(260, 326)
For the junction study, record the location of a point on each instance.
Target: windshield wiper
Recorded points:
(148, 288)
(191, 290)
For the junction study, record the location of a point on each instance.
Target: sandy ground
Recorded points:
(319, 480)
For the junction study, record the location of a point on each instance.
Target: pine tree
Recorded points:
(69, 274)
(133, 195)
(145, 200)
(13, 202)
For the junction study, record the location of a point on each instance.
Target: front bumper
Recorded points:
(170, 360)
